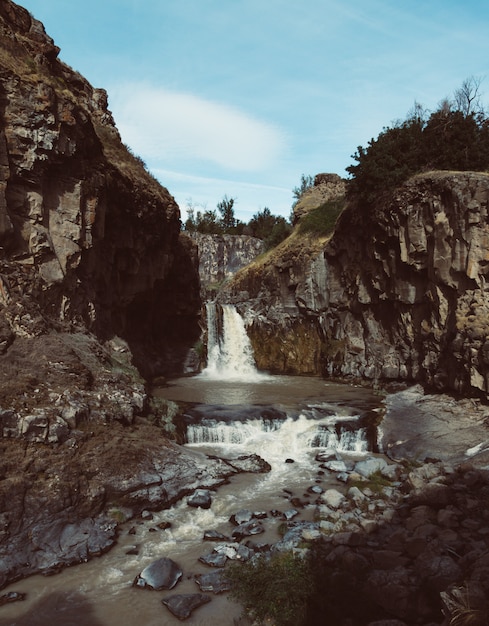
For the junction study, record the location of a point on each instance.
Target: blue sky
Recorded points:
(242, 97)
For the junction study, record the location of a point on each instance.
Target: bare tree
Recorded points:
(468, 98)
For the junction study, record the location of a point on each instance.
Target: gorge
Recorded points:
(101, 314)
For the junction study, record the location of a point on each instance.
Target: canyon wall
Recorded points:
(396, 294)
(89, 239)
(221, 256)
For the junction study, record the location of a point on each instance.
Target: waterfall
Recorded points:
(229, 351)
(298, 433)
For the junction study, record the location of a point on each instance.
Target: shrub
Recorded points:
(277, 588)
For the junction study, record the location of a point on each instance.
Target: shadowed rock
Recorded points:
(161, 574)
(182, 605)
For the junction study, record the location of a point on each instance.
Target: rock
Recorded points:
(332, 498)
(11, 596)
(241, 517)
(161, 574)
(213, 559)
(316, 489)
(201, 498)
(230, 550)
(214, 535)
(164, 525)
(183, 605)
(290, 514)
(249, 528)
(214, 582)
(250, 463)
(335, 466)
(369, 466)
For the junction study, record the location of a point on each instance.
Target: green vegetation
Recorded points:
(271, 228)
(276, 588)
(306, 183)
(288, 590)
(321, 221)
(375, 482)
(454, 137)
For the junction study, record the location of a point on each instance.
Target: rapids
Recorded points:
(286, 420)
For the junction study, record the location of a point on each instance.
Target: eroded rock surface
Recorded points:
(395, 294)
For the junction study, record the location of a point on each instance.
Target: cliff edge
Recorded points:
(396, 294)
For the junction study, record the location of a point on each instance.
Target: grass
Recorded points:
(322, 220)
(375, 482)
(273, 589)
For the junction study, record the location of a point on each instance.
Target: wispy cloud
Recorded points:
(168, 127)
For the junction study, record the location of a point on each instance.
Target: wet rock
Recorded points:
(289, 461)
(369, 466)
(316, 489)
(183, 605)
(249, 528)
(11, 596)
(245, 515)
(334, 466)
(230, 550)
(251, 463)
(161, 574)
(201, 498)
(323, 457)
(214, 582)
(213, 559)
(214, 535)
(260, 514)
(164, 525)
(290, 514)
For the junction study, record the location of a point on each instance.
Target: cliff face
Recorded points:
(221, 256)
(399, 294)
(95, 278)
(89, 238)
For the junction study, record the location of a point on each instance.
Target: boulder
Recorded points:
(201, 498)
(161, 574)
(214, 582)
(183, 605)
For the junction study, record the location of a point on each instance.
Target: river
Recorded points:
(286, 420)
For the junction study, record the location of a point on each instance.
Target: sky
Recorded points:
(240, 98)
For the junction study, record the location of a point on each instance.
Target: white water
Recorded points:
(276, 440)
(230, 355)
(100, 593)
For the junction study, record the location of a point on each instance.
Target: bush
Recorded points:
(276, 588)
(454, 137)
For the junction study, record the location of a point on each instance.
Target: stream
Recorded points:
(230, 410)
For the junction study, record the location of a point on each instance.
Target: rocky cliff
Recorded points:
(87, 234)
(95, 279)
(397, 294)
(221, 256)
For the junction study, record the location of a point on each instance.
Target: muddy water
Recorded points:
(99, 593)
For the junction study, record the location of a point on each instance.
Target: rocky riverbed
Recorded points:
(401, 536)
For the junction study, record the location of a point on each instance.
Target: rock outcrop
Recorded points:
(398, 294)
(89, 238)
(221, 256)
(95, 279)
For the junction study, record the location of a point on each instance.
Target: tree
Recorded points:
(467, 97)
(306, 183)
(455, 136)
(271, 228)
(225, 208)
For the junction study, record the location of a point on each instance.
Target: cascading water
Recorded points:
(232, 411)
(230, 355)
